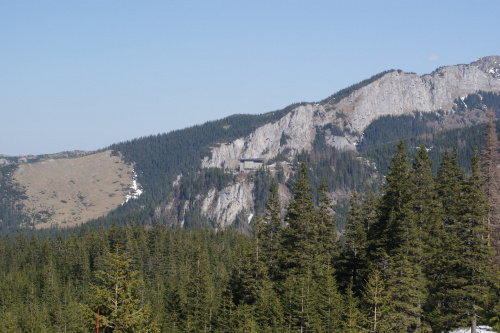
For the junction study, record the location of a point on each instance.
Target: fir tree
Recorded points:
(490, 175)
(396, 194)
(299, 237)
(114, 295)
(269, 233)
(463, 286)
(354, 259)
(327, 232)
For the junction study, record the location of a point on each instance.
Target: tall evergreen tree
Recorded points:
(396, 194)
(354, 262)
(327, 231)
(269, 230)
(406, 292)
(490, 174)
(298, 238)
(463, 285)
(376, 304)
(114, 295)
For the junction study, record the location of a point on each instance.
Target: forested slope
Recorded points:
(414, 259)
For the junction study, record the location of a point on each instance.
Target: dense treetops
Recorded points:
(416, 258)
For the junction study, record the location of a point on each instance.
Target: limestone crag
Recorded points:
(299, 126)
(395, 93)
(398, 93)
(223, 206)
(490, 65)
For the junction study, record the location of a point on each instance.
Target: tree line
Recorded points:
(419, 257)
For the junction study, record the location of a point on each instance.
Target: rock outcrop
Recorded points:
(223, 206)
(395, 93)
(298, 127)
(398, 93)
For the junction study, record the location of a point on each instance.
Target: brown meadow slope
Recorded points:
(69, 192)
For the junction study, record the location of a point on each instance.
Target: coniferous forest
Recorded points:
(421, 255)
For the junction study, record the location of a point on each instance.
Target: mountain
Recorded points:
(191, 177)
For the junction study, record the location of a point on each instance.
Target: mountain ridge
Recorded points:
(178, 170)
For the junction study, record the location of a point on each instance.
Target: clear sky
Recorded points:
(83, 74)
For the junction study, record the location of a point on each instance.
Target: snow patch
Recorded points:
(135, 192)
(479, 329)
(463, 98)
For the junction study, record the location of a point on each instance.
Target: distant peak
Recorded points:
(490, 65)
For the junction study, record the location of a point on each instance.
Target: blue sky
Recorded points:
(84, 74)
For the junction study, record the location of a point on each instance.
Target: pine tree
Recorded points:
(396, 194)
(270, 229)
(298, 238)
(115, 296)
(354, 263)
(327, 232)
(377, 304)
(490, 175)
(463, 284)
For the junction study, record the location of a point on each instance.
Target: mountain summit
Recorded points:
(198, 176)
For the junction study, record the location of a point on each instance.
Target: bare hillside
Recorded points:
(68, 192)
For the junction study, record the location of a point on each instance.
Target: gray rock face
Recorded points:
(490, 65)
(225, 205)
(396, 93)
(299, 125)
(399, 93)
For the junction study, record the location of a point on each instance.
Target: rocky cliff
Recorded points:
(395, 93)
(338, 121)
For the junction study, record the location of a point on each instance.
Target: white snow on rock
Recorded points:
(479, 329)
(135, 192)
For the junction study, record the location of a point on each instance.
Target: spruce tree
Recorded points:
(476, 271)
(270, 228)
(329, 302)
(463, 284)
(425, 205)
(352, 319)
(376, 304)
(396, 194)
(299, 237)
(327, 231)
(354, 263)
(406, 291)
(490, 175)
(115, 296)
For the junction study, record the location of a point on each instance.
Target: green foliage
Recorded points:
(159, 159)
(387, 129)
(116, 295)
(464, 139)
(11, 215)
(414, 259)
(284, 138)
